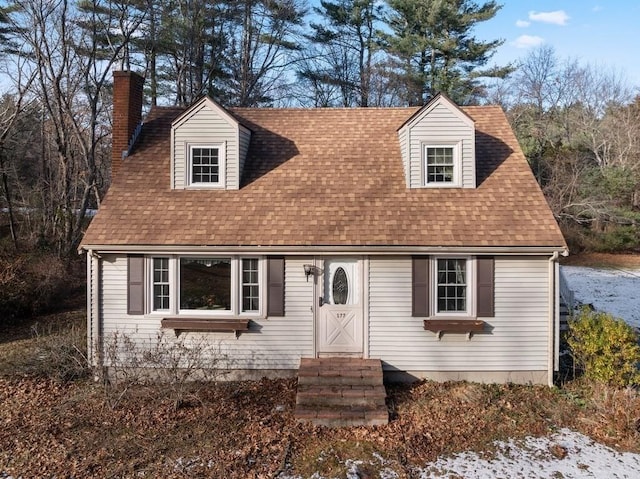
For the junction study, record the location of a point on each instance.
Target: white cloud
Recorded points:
(558, 17)
(527, 41)
(597, 8)
(522, 23)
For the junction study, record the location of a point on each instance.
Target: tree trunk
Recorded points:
(7, 195)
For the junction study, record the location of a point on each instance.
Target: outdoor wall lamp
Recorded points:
(309, 269)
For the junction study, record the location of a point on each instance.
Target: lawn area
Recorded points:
(56, 421)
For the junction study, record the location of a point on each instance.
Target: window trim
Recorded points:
(471, 285)
(198, 312)
(153, 283)
(236, 288)
(482, 283)
(221, 183)
(457, 164)
(241, 285)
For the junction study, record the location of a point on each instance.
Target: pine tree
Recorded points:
(187, 47)
(433, 50)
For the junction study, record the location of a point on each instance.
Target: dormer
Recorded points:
(208, 148)
(438, 146)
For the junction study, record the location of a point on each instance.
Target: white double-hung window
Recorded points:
(206, 166)
(452, 286)
(206, 285)
(442, 165)
(161, 284)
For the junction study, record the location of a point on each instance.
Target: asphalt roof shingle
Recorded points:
(327, 177)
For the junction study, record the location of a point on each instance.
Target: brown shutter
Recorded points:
(135, 284)
(486, 289)
(275, 287)
(420, 286)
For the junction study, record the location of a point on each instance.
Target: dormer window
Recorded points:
(442, 165)
(206, 166)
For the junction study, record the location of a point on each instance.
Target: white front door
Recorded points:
(340, 322)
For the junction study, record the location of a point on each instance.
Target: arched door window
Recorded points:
(340, 286)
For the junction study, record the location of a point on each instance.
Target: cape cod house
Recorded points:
(417, 236)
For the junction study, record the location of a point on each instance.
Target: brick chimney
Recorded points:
(127, 113)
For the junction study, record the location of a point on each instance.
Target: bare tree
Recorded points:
(11, 108)
(580, 131)
(262, 48)
(72, 53)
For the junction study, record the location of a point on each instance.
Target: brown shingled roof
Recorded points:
(327, 177)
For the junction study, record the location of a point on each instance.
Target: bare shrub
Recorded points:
(183, 365)
(33, 283)
(12, 287)
(61, 352)
(56, 350)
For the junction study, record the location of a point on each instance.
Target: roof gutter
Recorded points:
(334, 250)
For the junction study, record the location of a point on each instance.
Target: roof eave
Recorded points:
(330, 249)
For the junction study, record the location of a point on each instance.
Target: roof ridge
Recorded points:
(323, 108)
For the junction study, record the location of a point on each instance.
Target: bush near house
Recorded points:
(35, 282)
(605, 348)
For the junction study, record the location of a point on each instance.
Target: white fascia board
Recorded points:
(330, 250)
(204, 102)
(439, 99)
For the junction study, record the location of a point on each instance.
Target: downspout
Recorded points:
(94, 336)
(316, 291)
(554, 316)
(89, 310)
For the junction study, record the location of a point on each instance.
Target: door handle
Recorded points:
(320, 301)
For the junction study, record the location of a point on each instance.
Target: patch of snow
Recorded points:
(614, 291)
(566, 454)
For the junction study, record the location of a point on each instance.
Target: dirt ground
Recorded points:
(51, 426)
(247, 429)
(55, 422)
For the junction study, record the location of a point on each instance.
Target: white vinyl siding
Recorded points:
(273, 343)
(245, 138)
(206, 126)
(404, 152)
(441, 126)
(518, 340)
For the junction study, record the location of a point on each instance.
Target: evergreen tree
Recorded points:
(8, 31)
(432, 48)
(346, 40)
(187, 47)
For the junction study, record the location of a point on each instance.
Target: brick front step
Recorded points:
(339, 392)
(338, 380)
(346, 395)
(341, 416)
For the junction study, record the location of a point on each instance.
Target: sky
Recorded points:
(597, 32)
